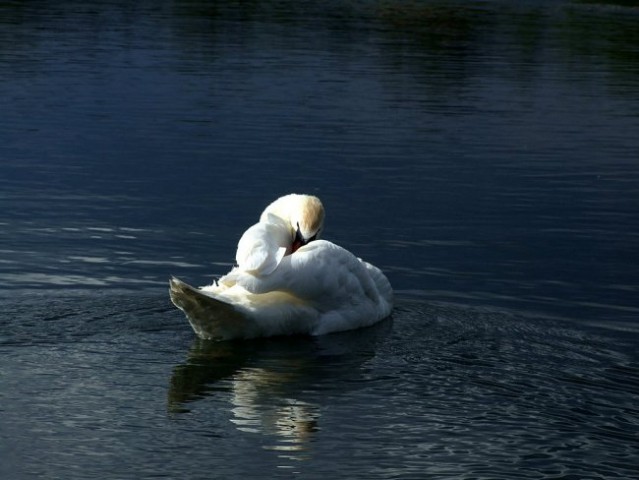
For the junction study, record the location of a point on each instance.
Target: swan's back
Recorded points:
(344, 291)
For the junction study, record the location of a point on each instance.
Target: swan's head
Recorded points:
(307, 219)
(304, 214)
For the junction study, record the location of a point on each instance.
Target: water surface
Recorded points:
(483, 154)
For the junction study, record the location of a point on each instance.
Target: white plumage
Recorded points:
(287, 282)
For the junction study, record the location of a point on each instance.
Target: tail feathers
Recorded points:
(210, 318)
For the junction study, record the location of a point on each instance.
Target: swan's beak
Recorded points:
(298, 241)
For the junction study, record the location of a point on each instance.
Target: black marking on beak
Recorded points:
(299, 240)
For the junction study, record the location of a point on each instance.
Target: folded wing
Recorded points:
(262, 247)
(329, 278)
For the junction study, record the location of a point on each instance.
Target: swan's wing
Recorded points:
(327, 275)
(382, 284)
(262, 248)
(209, 317)
(321, 288)
(221, 313)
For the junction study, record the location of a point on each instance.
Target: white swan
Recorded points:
(287, 281)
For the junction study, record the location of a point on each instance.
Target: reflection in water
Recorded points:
(272, 381)
(261, 405)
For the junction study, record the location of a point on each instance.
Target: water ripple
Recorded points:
(441, 390)
(492, 389)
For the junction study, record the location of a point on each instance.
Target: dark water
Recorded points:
(485, 155)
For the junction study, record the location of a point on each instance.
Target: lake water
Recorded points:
(485, 155)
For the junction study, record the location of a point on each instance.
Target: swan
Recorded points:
(287, 281)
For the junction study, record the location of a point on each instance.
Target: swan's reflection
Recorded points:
(262, 403)
(275, 385)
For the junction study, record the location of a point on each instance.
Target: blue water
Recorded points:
(485, 155)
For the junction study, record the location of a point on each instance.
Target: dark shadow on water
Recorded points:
(209, 362)
(271, 381)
